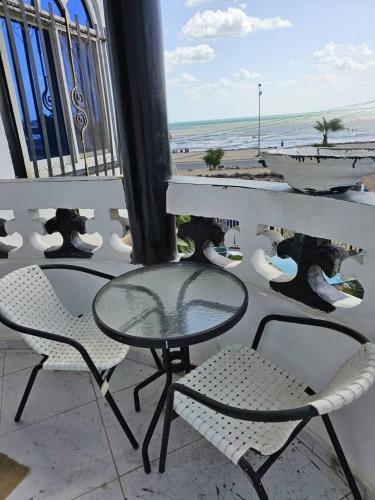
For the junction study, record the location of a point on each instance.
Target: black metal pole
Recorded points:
(137, 66)
(259, 96)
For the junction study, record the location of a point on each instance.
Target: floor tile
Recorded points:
(53, 392)
(108, 491)
(16, 360)
(2, 356)
(200, 471)
(127, 374)
(126, 459)
(68, 455)
(142, 356)
(1, 398)
(70, 458)
(17, 344)
(7, 333)
(327, 462)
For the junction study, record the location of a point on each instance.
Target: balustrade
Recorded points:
(86, 219)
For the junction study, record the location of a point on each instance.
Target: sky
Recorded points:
(308, 55)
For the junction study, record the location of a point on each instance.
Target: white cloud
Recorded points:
(183, 80)
(194, 3)
(361, 49)
(343, 57)
(245, 74)
(232, 22)
(189, 55)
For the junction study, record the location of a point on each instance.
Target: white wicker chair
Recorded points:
(239, 400)
(29, 304)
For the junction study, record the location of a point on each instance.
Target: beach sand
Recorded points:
(245, 158)
(226, 172)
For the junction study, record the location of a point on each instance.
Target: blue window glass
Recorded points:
(30, 90)
(56, 7)
(78, 8)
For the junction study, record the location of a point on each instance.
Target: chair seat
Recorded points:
(104, 351)
(27, 298)
(241, 377)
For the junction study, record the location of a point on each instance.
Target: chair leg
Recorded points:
(168, 417)
(29, 386)
(253, 478)
(121, 420)
(342, 459)
(157, 360)
(272, 458)
(100, 379)
(144, 383)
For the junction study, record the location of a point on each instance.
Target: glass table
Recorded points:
(169, 307)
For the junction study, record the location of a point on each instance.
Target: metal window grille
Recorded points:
(58, 79)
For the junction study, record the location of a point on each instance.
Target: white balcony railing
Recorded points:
(314, 355)
(88, 229)
(35, 231)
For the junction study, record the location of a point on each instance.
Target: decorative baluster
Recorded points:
(111, 227)
(70, 224)
(4, 248)
(313, 257)
(31, 227)
(268, 248)
(204, 232)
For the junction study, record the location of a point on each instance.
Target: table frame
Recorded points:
(166, 344)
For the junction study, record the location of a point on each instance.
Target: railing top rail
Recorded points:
(366, 198)
(62, 192)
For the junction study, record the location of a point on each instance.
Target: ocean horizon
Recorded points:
(293, 129)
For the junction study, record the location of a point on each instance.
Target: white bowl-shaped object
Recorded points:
(321, 170)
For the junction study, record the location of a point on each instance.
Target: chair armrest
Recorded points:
(79, 269)
(301, 413)
(307, 321)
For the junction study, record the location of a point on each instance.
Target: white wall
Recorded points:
(6, 165)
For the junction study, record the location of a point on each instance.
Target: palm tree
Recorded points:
(325, 126)
(213, 158)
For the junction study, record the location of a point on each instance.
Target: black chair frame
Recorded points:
(304, 413)
(100, 378)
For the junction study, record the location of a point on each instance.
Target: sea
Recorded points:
(292, 129)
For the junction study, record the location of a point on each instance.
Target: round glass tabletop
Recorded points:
(170, 305)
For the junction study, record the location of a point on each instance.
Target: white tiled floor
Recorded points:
(75, 449)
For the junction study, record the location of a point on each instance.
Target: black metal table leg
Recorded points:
(159, 364)
(186, 358)
(158, 410)
(144, 383)
(179, 361)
